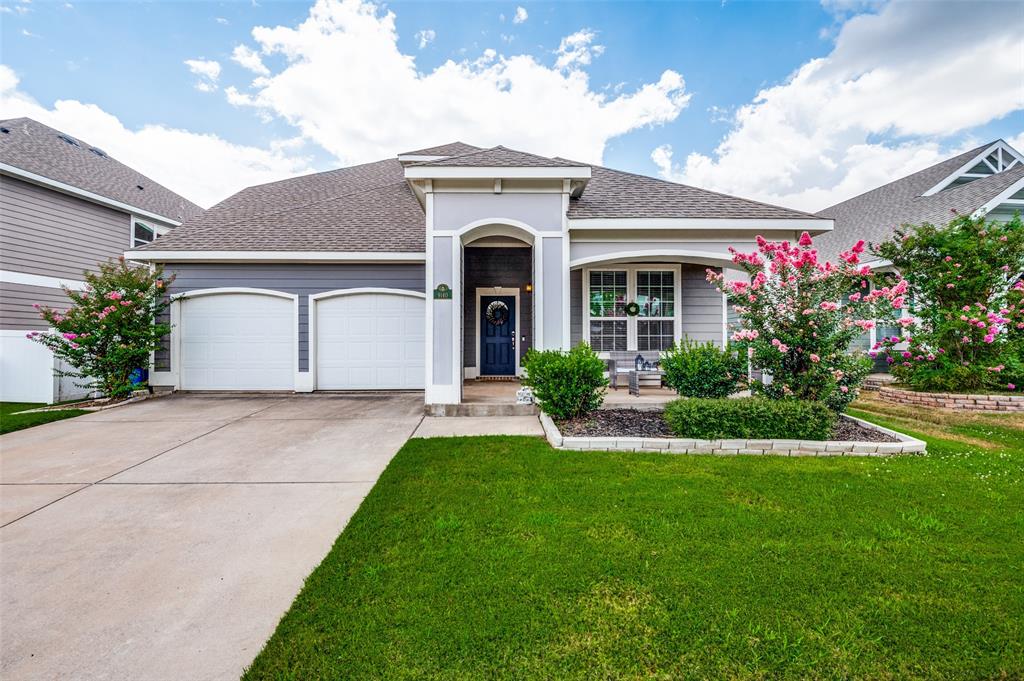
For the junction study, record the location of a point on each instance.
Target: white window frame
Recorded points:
(158, 230)
(632, 323)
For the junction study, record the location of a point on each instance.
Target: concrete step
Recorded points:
(481, 409)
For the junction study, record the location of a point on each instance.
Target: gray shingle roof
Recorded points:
(371, 207)
(501, 157)
(874, 215)
(368, 207)
(617, 194)
(450, 149)
(39, 149)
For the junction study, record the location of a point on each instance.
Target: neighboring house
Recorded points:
(65, 205)
(441, 265)
(987, 181)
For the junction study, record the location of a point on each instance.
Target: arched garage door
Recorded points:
(237, 341)
(370, 341)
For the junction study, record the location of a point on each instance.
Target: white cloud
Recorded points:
(249, 59)
(201, 167)
(29, 34)
(521, 15)
(372, 113)
(222, 21)
(425, 37)
(206, 68)
(898, 85)
(208, 72)
(577, 50)
(1017, 141)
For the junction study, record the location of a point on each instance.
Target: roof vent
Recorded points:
(139, 187)
(98, 152)
(5, 131)
(70, 140)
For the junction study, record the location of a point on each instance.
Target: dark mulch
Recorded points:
(847, 430)
(635, 423)
(617, 422)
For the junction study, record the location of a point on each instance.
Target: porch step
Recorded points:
(481, 409)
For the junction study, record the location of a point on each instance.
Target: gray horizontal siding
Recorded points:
(575, 307)
(16, 311)
(701, 306)
(303, 280)
(51, 234)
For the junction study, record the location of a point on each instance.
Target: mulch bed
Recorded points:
(636, 423)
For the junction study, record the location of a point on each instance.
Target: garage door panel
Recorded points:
(370, 341)
(237, 341)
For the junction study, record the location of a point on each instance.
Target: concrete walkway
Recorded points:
(456, 426)
(165, 539)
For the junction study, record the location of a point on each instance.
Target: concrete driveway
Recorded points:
(165, 539)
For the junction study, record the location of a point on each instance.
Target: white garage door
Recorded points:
(237, 341)
(370, 341)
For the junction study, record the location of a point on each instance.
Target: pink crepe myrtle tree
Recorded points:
(967, 332)
(111, 327)
(799, 317)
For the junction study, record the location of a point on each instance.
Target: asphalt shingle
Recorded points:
(501, 157)
(876, 214)
(40, 149)
(450, 149)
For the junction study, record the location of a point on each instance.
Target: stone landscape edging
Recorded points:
(972, 402)
(739, 446)
(97, 407)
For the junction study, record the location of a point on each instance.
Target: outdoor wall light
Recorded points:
(529, 288)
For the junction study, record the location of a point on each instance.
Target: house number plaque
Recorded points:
(443, 292)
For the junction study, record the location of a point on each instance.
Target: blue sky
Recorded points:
(128, 60)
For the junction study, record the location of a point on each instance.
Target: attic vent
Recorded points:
(5, 131)
(98, 152)
(70, 140)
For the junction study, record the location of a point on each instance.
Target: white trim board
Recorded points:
(975, 160)
(482, 291)
(1003, 197)
(9, 277)
(489, 172)
(41, 180)
(274, 256)
(810, 224)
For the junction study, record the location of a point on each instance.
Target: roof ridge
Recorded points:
(975, 151)
(294, 207)
(314, 173)
(702, 189)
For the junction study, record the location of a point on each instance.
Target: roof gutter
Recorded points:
(276, 256)
(44, 181)
(810, 224)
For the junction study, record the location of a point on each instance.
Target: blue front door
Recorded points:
(497, 335)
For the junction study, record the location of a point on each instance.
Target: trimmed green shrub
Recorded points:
(566, 384)
(703, 370)
(750, 417)
(850, 372)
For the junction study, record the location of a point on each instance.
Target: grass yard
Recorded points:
(502, 558)
(10, 421)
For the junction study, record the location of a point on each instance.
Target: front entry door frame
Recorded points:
(482, 291)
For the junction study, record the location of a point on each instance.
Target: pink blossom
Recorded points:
(805, 239)
(1010, 386)
(815, 358)
(828, 305)
(948, 258)
(843, 389)
(950, 285)
(989, 338)
(70, 336)
(783, 348)
(905, 321)
(854, 297)
(897, 302)
(114, 295)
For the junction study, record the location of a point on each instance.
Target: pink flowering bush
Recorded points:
(799, 316)
(110, 329)
(967, 330)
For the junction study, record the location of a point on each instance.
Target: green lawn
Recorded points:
(10, 421)
(502, 558)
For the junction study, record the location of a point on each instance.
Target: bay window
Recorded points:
(654, 290)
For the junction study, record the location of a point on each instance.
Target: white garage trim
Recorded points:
(313, 315)
(173, 377)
